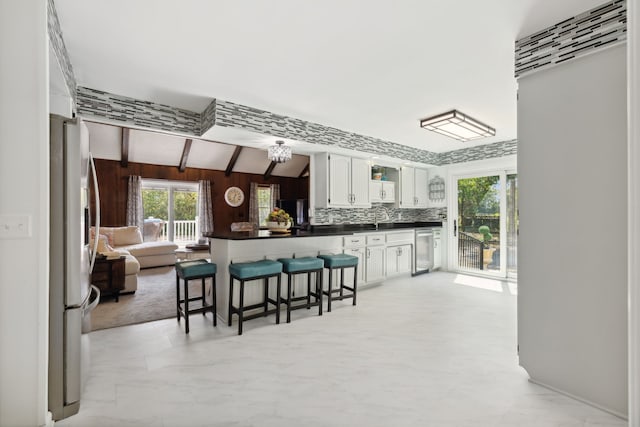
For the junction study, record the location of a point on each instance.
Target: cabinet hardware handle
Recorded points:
(368, 253)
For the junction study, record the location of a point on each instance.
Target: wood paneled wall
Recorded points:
(113, 178)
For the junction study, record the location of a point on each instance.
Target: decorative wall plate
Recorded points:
(234, 196)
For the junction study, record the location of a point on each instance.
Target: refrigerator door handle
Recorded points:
(92, 167)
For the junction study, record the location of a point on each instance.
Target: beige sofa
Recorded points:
(131, 264)
(148, 254)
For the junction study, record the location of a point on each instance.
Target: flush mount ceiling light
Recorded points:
(456, 125)
(279, 153)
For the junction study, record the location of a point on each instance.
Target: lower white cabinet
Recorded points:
(375, 263)
(398, 259)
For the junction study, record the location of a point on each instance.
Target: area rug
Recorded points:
(154, 299)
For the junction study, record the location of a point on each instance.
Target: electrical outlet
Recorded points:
(15, 226)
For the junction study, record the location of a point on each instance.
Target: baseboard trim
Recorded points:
(580, 399)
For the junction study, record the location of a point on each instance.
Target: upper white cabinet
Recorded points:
(413, 187)
(382, 191)
(341, 181)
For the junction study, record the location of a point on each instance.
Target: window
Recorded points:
(174, 205)
(264, 204)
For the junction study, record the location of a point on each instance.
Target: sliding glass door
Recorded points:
(485, 224)
(174, 204)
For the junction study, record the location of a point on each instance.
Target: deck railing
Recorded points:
(469, 251)
(184, 231)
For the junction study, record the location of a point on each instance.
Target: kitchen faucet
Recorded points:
(375, 216)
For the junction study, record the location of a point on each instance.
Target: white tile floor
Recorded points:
(434, 350)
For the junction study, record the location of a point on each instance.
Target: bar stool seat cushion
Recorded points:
(195, 269)
(245, 270)
(294, 265)
(339, 260)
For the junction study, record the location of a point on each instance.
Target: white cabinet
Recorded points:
(340, 181)
(413, 187)
(437, 248)
(398, 259)
(382, 191)
(375, 263)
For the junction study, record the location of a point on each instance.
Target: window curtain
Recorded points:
(134, 201)
(275, 195)
(205, 207)
(253, 205)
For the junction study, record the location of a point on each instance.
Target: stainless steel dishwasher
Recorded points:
(423, 250)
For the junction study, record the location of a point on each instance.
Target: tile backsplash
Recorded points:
(368, 215)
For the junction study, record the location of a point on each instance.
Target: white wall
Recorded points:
(633, 58)
(24, 189)
(572, 263)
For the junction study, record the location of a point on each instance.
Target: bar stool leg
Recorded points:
(278, 290)
(177, 297)
(308, 290)
(203, 294)
(319, 291)
(288, 297)
(330, 293)
(355, 283)
(230, 313)
(266, 294)
(341, 282)
(241, 307)
(186, 305)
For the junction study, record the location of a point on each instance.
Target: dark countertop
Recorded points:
(320, 230)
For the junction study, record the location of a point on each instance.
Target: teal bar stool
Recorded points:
(340, 262)
(306, 265)
(246, 271)
(191, 270)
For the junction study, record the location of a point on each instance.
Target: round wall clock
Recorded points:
(234, 196)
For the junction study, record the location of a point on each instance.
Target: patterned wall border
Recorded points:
(595, 29)
(229, 114)
(96, 103)
(117, 108)
(60, 50)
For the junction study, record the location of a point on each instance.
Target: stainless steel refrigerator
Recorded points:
(71, 296)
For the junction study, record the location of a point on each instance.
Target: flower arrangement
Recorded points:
(279, 215)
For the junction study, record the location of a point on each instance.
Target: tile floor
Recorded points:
(434, 350)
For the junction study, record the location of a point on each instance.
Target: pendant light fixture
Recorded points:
(279, 153)
(457, 125)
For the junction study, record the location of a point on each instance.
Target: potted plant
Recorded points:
(278, 220)
(487, 252)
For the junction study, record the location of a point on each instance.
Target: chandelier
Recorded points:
(279, 153)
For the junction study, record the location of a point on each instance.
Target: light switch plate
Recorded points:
(15, 226)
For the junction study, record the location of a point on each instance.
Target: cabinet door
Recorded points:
(389, 191)
(348, 272)
(404, 259)
(375, 191)
(339, 181)
(421, 188)
(406, 187)
(360, 178)
(375, 263)
(392, 260)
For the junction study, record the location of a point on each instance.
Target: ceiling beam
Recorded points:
(124, 156)
(185, 155)
(233, 160)
(304, 171)
(267, 173)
